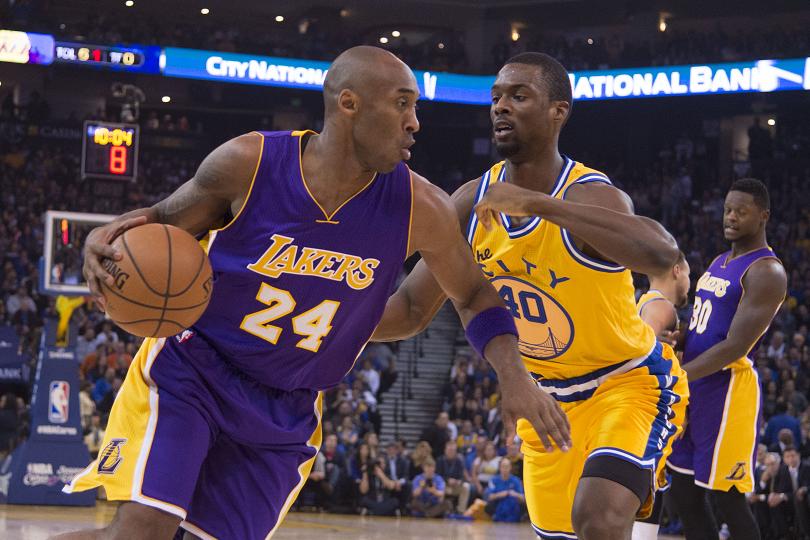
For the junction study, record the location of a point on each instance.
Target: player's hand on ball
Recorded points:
(97, 248)
(503, 197)
(522, 398)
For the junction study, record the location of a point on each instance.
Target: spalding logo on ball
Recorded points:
(161, 285)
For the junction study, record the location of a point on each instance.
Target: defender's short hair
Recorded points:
(554, 75)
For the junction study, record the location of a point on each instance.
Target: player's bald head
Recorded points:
(366, 71)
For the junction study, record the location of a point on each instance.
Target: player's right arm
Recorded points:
(221, 182)
(660, 316)
(419, 297)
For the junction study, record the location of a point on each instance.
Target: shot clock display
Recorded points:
(110, 150)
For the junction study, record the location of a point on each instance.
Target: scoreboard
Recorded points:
(109, 150)
(111, 57)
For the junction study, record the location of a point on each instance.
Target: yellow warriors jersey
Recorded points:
(576, 315)
(653, 295)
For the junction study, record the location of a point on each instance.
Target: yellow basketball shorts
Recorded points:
(632, 411)
(720, 441)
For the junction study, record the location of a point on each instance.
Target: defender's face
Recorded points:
(520, 108)
(386, 121)
(682, 284)
(742, 217)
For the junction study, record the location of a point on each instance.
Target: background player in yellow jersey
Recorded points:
(668, 291)
(658, 308)
(558, 242)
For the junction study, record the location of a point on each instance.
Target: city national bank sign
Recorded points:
(755, 76)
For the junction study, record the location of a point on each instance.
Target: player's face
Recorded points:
(682, 283)
(521, 112)
(742, 217)
(386, 121)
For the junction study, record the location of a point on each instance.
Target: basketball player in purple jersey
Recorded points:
(735, 301)
(216, 429)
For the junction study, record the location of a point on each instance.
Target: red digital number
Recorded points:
(118, 159)
(97, 55)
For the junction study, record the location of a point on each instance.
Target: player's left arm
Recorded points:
(660, 316)
(764, 287)
(599, 216)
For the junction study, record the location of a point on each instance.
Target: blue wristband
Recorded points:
(492, 322)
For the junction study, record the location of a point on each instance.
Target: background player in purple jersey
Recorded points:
(735, 301)
(216, 430)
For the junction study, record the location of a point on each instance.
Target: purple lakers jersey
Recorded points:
(297, 292)
(717, 295)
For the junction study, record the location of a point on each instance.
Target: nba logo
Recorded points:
(58, 402)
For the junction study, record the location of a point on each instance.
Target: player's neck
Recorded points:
(540, 173)
(665, 287)
(747, 245)
(331, 169)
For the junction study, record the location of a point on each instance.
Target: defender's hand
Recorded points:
(503, 197)
(522, 398)
(97, 248)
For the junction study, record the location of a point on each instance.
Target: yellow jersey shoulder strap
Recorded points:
(581, 174)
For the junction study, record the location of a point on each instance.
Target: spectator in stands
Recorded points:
(504, 495)
(371, 376)
(317, 489)
(103, 385)
(783, 440)
(438, 434)
(397, 469)
(800, 481)
(774, 509)
(378, 493)
(467, 438)
(94, 435)
(18, 300)
(793, 397)
(373, 443)
(458, 410)
(348, 432)
(106, 403)
(9, 423)
(86, 404)
(485, 467)
(451, 467)
(781, 420)
(776, 348)
(107, 334)
(418, 457)
(85, 344)
(359, 463)
(427, 498)
(336, 471)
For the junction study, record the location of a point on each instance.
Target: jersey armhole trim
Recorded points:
(577, 254)
(472, 224)
(212, 233)
(410, 216)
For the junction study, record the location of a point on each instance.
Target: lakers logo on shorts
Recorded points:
(546, 330)
(110, 457)
(737, 473)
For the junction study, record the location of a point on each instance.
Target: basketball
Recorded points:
(162, 284)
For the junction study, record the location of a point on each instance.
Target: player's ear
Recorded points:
(348, 101)
(560, 110)
(766, 215)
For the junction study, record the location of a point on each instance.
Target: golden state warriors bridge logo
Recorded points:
(546, 330)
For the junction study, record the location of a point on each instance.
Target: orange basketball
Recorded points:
(162, 284)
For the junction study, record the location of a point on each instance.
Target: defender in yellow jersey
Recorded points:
(557, 241)
(658, 308)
